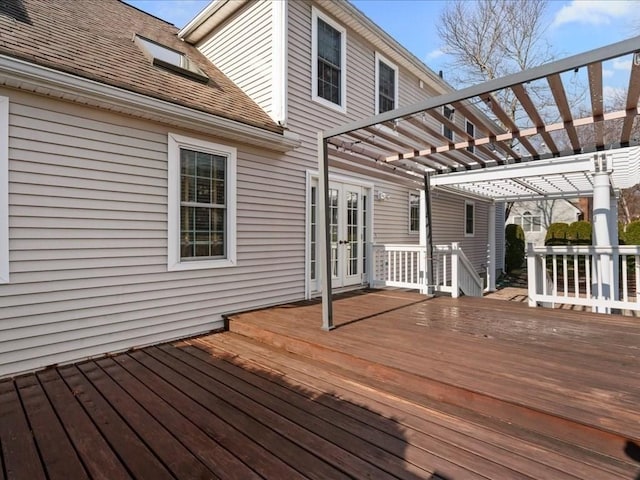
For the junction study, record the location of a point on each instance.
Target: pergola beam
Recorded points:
(633, 94)
(620, 114)
(559, 95)
(525, 100)
(515, 170)
(597, 103)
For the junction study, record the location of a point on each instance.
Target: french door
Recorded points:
(348, 213)
(345, 213)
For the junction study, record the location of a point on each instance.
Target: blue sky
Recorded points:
(574, 26)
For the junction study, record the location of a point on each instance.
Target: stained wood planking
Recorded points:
(210, 419)
(427, 452)
(19, 452)
(57, 452)
(497, 441)
(391, 348)
(125, 442)
(96, 454)
(180, 461)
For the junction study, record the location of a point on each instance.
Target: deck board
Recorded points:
(366, 400)
(59, 456)
(507, 447)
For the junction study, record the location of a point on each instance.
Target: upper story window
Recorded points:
(471, 131)
(448, 113)
(202, 204)
(386, 85)
(414, 213)
(469, 218)
(529, 222)
(171, 59)
(329, 73)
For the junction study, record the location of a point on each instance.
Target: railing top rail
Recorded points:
(398, 247)
(586, 249)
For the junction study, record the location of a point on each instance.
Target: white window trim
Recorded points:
(315, 15)
(175, 142)
(414, 232)
(473, 204)
(4, 190)
(379, 58)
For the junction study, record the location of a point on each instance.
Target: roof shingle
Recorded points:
(94, 39)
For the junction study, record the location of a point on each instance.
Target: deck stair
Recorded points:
(504, 422)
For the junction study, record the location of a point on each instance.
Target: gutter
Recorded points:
(28, 76)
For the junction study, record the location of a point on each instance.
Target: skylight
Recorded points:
(170, 59)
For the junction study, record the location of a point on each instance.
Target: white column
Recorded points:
(423, 241)
(613, 238)
(491, 250)
(601, 234)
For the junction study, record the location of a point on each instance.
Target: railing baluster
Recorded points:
(576, 275)
(637, 268)
(554, 262)
(625, 287)
(587, 272)
(565, 275)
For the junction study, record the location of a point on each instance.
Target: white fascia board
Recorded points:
(515, 170)
(279, 53)
(200, 18)
(4, 190)
(31, 77)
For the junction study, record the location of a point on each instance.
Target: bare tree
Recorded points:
(489, 39)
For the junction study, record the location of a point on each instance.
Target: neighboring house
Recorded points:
(535, 217)
(159, 179)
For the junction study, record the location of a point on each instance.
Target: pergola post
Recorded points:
(428, 237)
(601, 230)
(613, 237)
(324, 233)
(491, 250)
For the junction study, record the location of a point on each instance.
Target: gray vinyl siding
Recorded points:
(88, 239)
(242, 50)
(448, 226)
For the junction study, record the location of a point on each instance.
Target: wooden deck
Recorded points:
(404, 388)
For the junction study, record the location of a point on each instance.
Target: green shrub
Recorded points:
(556, 234)
(514, 247)
(579, 233)
(632, 233)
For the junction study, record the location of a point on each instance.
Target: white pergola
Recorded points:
(574, 155)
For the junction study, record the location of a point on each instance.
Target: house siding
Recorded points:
(448, 226)
(88, 239)
(242, 50)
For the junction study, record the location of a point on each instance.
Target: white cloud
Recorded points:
(433, 54)
(606, 73)
(594, 12)
(623, 64)
(609, 94)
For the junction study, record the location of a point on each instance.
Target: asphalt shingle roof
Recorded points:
(94, 39)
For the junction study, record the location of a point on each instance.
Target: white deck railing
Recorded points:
(602, 278)
(404, 266)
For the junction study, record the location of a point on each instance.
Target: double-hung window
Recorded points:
(386, 85)
(329, 72)
(471, 131)
(448, 113)
(414, 213)
(469, 219)
(202, 204)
